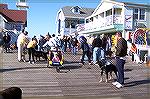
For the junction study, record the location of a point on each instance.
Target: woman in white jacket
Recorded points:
(22, 41)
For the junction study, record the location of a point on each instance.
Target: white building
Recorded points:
(110, 16)
(69, 16)
(12, 21)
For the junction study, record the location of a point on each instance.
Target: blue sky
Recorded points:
(42, 13)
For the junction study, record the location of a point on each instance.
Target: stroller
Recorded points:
(55, 58)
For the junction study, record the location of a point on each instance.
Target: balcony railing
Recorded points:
(103, 22)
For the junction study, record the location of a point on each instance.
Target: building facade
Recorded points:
(131, 19)
(12, 21)
(69, 16)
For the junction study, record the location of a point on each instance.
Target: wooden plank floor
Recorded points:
(36, 80)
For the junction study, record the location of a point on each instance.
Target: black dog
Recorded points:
(39, 54)
(107, 67)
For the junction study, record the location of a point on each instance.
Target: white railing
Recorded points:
(103, 22)
(117, 19)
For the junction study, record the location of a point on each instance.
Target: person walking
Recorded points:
(85, 49)
(121, 52)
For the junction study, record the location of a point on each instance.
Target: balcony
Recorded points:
(110, 22)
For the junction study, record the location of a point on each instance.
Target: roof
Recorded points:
(84, 12)
(122, 4)
(14, 15)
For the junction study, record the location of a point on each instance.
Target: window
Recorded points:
(109, 12)
(59, 24)
(76, 9)
(139, 14)
(87, 20)
(135, 15)
(91, 19)
(117, 11)
(81, 21)
(96, 17)
(67, 24)
(142, 14)
(102, 15)
(22, 0)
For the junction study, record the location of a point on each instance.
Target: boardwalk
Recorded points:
(36, 80)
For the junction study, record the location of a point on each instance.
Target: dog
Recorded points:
(108, 68)
(39, 54)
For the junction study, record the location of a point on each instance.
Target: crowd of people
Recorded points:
(93, 48)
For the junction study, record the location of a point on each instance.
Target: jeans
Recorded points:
(74, 50)
(120, 67)
(31, 53)
(98, 54)
(87, 53)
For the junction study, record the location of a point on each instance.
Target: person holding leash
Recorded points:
(121, 52)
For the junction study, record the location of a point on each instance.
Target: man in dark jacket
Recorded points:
(98, 51)
(121, 52)
(7, 40)
(85, 49)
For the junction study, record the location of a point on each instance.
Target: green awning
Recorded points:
(105, 30)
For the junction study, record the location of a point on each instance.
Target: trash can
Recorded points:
(143, 53)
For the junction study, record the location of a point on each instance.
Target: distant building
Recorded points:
(69, 16)
(12, 21)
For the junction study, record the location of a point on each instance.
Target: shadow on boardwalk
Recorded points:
(13, 69)
(136, 83)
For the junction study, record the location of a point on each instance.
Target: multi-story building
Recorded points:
(12, 21)
(69, 16)
(110, 16)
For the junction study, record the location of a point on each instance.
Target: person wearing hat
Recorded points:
(121, 52)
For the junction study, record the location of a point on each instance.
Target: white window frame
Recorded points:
(139, 14)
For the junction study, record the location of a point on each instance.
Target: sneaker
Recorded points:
(33, 62)
(90, 63)
(119, 85)
(29, 62)
(81, 63)
(115, 83)
(96, 64)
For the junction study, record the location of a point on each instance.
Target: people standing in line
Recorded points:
(7, 40)
(85, 49)
(98, 51)
(22, 41)
(31, 49)
(121, 52)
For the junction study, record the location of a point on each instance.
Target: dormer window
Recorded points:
(76, 10)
